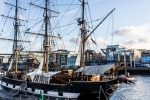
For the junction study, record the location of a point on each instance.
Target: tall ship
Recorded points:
(86, 83)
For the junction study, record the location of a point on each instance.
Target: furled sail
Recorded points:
(10, 66)
(77, 63)
(41, 63)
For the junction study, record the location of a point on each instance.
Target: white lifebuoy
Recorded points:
(24, 77)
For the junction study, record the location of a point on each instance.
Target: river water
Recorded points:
(139, 91)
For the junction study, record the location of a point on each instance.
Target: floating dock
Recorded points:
(136, 71)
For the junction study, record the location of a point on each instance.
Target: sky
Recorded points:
(128, 25)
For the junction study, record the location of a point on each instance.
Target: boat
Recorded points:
(85, 83)
(125, 79)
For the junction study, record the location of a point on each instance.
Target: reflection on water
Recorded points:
(139, 91)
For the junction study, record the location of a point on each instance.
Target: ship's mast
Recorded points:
(15, 48)
(46, 44)
(83, 36)
(46, 35)
(16, 30)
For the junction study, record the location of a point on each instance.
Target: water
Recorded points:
(139, 91)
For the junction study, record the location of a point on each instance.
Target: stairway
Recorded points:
(21, 87)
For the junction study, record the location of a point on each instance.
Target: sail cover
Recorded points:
(97, 70)
(39, 72)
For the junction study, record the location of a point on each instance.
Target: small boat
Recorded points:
(130, 78)
(126, 79)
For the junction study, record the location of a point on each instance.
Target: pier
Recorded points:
(136, 71)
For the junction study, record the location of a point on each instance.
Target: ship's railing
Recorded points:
(21, 87)
(33, 97)
(101, 90)
(40, 79)
(22, 97)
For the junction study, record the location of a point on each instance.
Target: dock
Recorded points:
(137, 70)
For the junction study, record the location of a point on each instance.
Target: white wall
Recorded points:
(137, 56)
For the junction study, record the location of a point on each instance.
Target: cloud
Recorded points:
(63, 45)
(99, 41)
(129, 31)
(139, 43)
(138, 36)
(67, 44)
(75, 39)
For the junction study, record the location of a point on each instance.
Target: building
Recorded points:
(59, 57)
(145, 56)
(52, 58)
(125, 54)
(91, 57)
(3, 60)
(72, 56)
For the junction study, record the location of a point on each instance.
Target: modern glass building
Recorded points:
(145, 59)
(71, 61)
(59, 57)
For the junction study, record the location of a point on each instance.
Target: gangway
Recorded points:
(21, 87)
(13, 92)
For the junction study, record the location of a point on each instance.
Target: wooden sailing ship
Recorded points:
(81, 84)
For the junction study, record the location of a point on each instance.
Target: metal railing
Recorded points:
(21, 87)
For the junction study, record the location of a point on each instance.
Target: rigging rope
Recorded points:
(107, 32)
(70, 9)
(75, 42)
(65, 30)
(71, 31)
(112, 26)
(91, 22)
(66, 4)
(6, 19)
(63, 14)
(77, 22)
(87, 42)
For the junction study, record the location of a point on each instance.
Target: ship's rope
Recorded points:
(64, 14)
(107, 32)
(75, 42)
(6, 18)
(113, 15)
(71, 31)
(65, 30)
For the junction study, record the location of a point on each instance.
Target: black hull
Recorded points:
(86, 89)
(12, 81)
(76, 87)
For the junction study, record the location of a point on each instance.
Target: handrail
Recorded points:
(101, 89)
